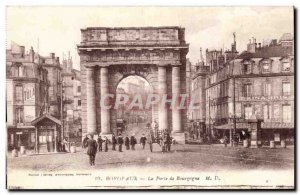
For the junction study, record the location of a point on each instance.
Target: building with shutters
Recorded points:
(257, 84)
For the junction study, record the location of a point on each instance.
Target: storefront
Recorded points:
(21, 136)
(48, 133)
(276, 131)
(245, 129)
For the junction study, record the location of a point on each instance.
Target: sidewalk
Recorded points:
(32, 153)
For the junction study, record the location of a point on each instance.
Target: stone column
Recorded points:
(105, 113)
(162, 90)
(90, 101)
(177, 132)
(176, 119)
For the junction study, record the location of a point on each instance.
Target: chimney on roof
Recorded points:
(52, 55)
(251, 46)
(259, 45)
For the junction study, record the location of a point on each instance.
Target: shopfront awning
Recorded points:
(277, 125)
(266, 125)
(231, 126)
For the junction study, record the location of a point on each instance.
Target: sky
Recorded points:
(57, 29)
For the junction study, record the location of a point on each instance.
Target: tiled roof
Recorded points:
(267, 52)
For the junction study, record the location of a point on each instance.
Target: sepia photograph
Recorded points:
(155, 98)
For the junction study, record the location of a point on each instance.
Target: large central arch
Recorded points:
(107, 55)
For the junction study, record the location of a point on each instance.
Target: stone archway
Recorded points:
(158, 54)
(122, 72)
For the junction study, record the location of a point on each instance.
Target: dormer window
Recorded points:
(265, 66)
(285, 65)
(18, 70)
(247, 68)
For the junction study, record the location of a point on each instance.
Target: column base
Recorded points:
(179, 138)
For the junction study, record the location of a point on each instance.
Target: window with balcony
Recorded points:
(19, 115)
(19, 93)
(247, 90)
(286, 113)
(267, 112)
(267, 89)
(286, 88)
(248, 111)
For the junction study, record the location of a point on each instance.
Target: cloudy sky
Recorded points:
(58, 28)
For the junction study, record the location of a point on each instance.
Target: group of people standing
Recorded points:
(91, 146)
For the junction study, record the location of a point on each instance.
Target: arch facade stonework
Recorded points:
(107, 55)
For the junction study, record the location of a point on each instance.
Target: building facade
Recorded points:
(257, 84)
(26, 95)
(197, 114)
(71, 99)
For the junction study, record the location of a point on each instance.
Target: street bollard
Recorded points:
(283, 144)
(73, 149)
(22, 150)
(14, 153)
(245, 143)
(272, 144)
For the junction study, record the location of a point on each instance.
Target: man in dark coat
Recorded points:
(127, 142)
(132, 142)
(84, 143)
(92, 149)
(100, 141)
(143, 141)
(114, 142)
(168, 142)
(150, 142)
(120, 142)
(106, 144)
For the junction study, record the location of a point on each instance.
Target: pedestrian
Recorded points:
(127, 142)
(58, 144)
(225, 140)
(100, 141)
(150, 142)
(168, 142)
(120, 142)
(106, 144)
(84, 143)
(114, 142)
(92, 149)
(133, 142)
(143, 141)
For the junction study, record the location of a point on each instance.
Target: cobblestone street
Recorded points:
(182, 157)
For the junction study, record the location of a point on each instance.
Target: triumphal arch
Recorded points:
(107, 55)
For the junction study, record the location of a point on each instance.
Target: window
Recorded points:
(247, 90)
(79, 102)
(286, 66)
(78, 89)
(247, 68)
(266, 66)
(19, 93)
(18, 71)
(267, 112)
(19, 115)
(267, 89)
(248, 111)
(286, 113)
(286, 88)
